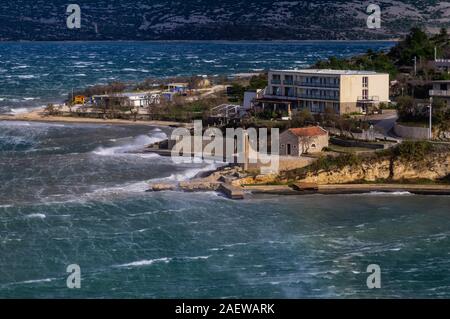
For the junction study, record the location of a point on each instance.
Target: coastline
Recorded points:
(347, 189)
(37, 116)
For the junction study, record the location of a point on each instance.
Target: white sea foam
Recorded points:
(19, 110)
(26, 76)
(36, 281)
(138, 187)
(137, 143)
(146, 262)
(399, 193)
(37, 215)
(188, 174)
(22, 110)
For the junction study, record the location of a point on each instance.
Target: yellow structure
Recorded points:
(344, 91)
(79, 99)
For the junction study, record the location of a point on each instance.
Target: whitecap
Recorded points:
(145, 262)
(36, 281)
(37, 215)
(137, 143)
(188, 174)
(26, 76)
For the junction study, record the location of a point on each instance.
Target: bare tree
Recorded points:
(306, 142)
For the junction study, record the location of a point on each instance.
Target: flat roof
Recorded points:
(329, 72)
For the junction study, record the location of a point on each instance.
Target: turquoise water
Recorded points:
(74, 194)
(71, 194)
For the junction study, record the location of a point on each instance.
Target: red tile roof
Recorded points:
(308, 131)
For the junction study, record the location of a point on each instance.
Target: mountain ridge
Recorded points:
(218, 20)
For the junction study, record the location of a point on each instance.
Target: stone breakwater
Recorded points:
(219, 181)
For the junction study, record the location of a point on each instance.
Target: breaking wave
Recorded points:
(148, 262)
(137, 143)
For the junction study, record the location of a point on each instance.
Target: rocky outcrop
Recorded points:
(159, 187)
(258, 179)
(431, 168)
(196, 186)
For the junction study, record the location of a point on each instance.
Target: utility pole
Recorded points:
(431, 117)
(415, 65)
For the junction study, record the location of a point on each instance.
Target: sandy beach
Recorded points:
(37, 115)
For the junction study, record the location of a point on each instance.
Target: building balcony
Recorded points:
(288, 82)
(301, 97)
(373, 98)
(276, 82)
(316, 85)
(443, 93)
(280, 97)
(319, 97)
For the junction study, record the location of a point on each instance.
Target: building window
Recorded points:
(365, 82)
(289, 91)
(365, 94)
(275, 90)
(313, 145)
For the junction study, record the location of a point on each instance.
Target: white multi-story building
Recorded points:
(344, 91)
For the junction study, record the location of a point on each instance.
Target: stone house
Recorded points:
(297, 141)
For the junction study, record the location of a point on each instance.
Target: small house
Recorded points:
(298, 141)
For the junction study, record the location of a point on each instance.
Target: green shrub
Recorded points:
(412, 151)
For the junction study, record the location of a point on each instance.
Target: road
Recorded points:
(384, 123)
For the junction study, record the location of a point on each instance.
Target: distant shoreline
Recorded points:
(36, 116)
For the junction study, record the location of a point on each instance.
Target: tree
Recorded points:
(407, 109)
(301, 117)
(305, 142)
(416, 44)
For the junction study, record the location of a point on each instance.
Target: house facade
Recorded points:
(126, 99)
(298, 141)
(344, 91)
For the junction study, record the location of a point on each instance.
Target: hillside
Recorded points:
(212, 20)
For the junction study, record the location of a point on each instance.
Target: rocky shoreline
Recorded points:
(231, 182)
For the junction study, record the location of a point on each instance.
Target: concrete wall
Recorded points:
(353, 143)
(411, 132)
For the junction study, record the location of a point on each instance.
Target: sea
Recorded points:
(74, 194)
